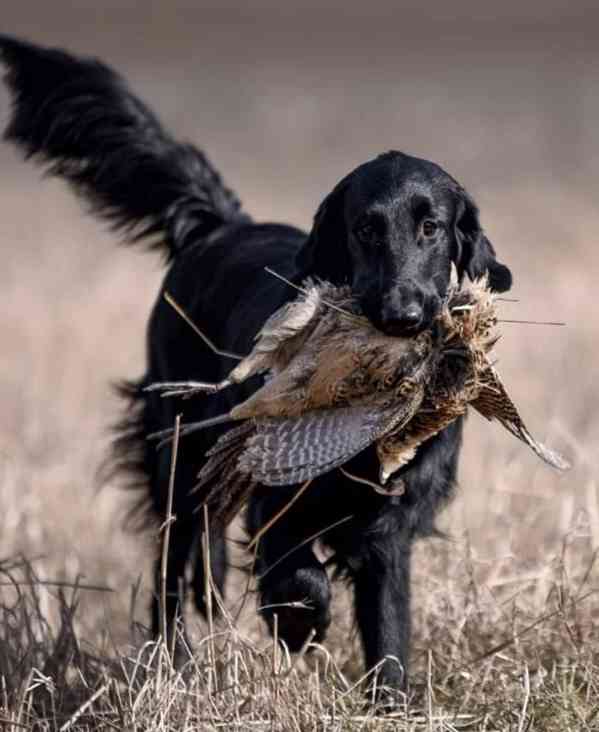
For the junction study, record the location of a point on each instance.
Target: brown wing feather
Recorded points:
(220, 484)
(493, 402)
(225, 504)
(285, 451)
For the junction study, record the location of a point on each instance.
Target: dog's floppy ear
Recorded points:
(325, 254)
(475, 254)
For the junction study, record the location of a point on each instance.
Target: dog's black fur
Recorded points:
(391, 228)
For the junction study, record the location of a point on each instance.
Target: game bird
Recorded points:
(335, 385)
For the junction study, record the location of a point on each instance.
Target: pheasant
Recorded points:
(335, 385)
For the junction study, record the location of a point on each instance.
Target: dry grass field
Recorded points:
(506, 610)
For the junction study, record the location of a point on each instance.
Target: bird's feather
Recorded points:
(294, 450)
(493, 402)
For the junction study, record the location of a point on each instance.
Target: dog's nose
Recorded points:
(403, 322)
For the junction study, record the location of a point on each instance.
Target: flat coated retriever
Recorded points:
(391, 228)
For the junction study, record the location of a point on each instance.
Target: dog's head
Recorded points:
(392, 229)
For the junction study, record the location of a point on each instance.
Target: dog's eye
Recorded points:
(429, 228)
(367, 234)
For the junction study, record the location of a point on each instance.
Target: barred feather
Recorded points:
(232, 436)
(295, 450)
(494, 402)
(218, 462)
(223, 456)
(224, 505)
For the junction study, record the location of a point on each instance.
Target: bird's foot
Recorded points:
(187, 389)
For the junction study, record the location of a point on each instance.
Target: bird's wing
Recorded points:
(293, 317)
(224, 452)
(220, 485)
(282, 335)
(293, 450)
(493, 402)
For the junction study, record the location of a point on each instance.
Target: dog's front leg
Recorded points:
(293, 583)
(382, 589)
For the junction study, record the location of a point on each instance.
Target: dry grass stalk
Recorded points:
(167, 529)
(263, 688)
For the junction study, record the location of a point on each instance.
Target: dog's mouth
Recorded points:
(404, 324)
(398, 328)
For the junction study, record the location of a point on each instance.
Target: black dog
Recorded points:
(391, 228)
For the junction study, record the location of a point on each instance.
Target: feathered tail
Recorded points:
(79, 117)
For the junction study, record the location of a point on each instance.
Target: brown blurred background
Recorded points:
(286, 98)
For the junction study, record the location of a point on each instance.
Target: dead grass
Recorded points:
(52, 679)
